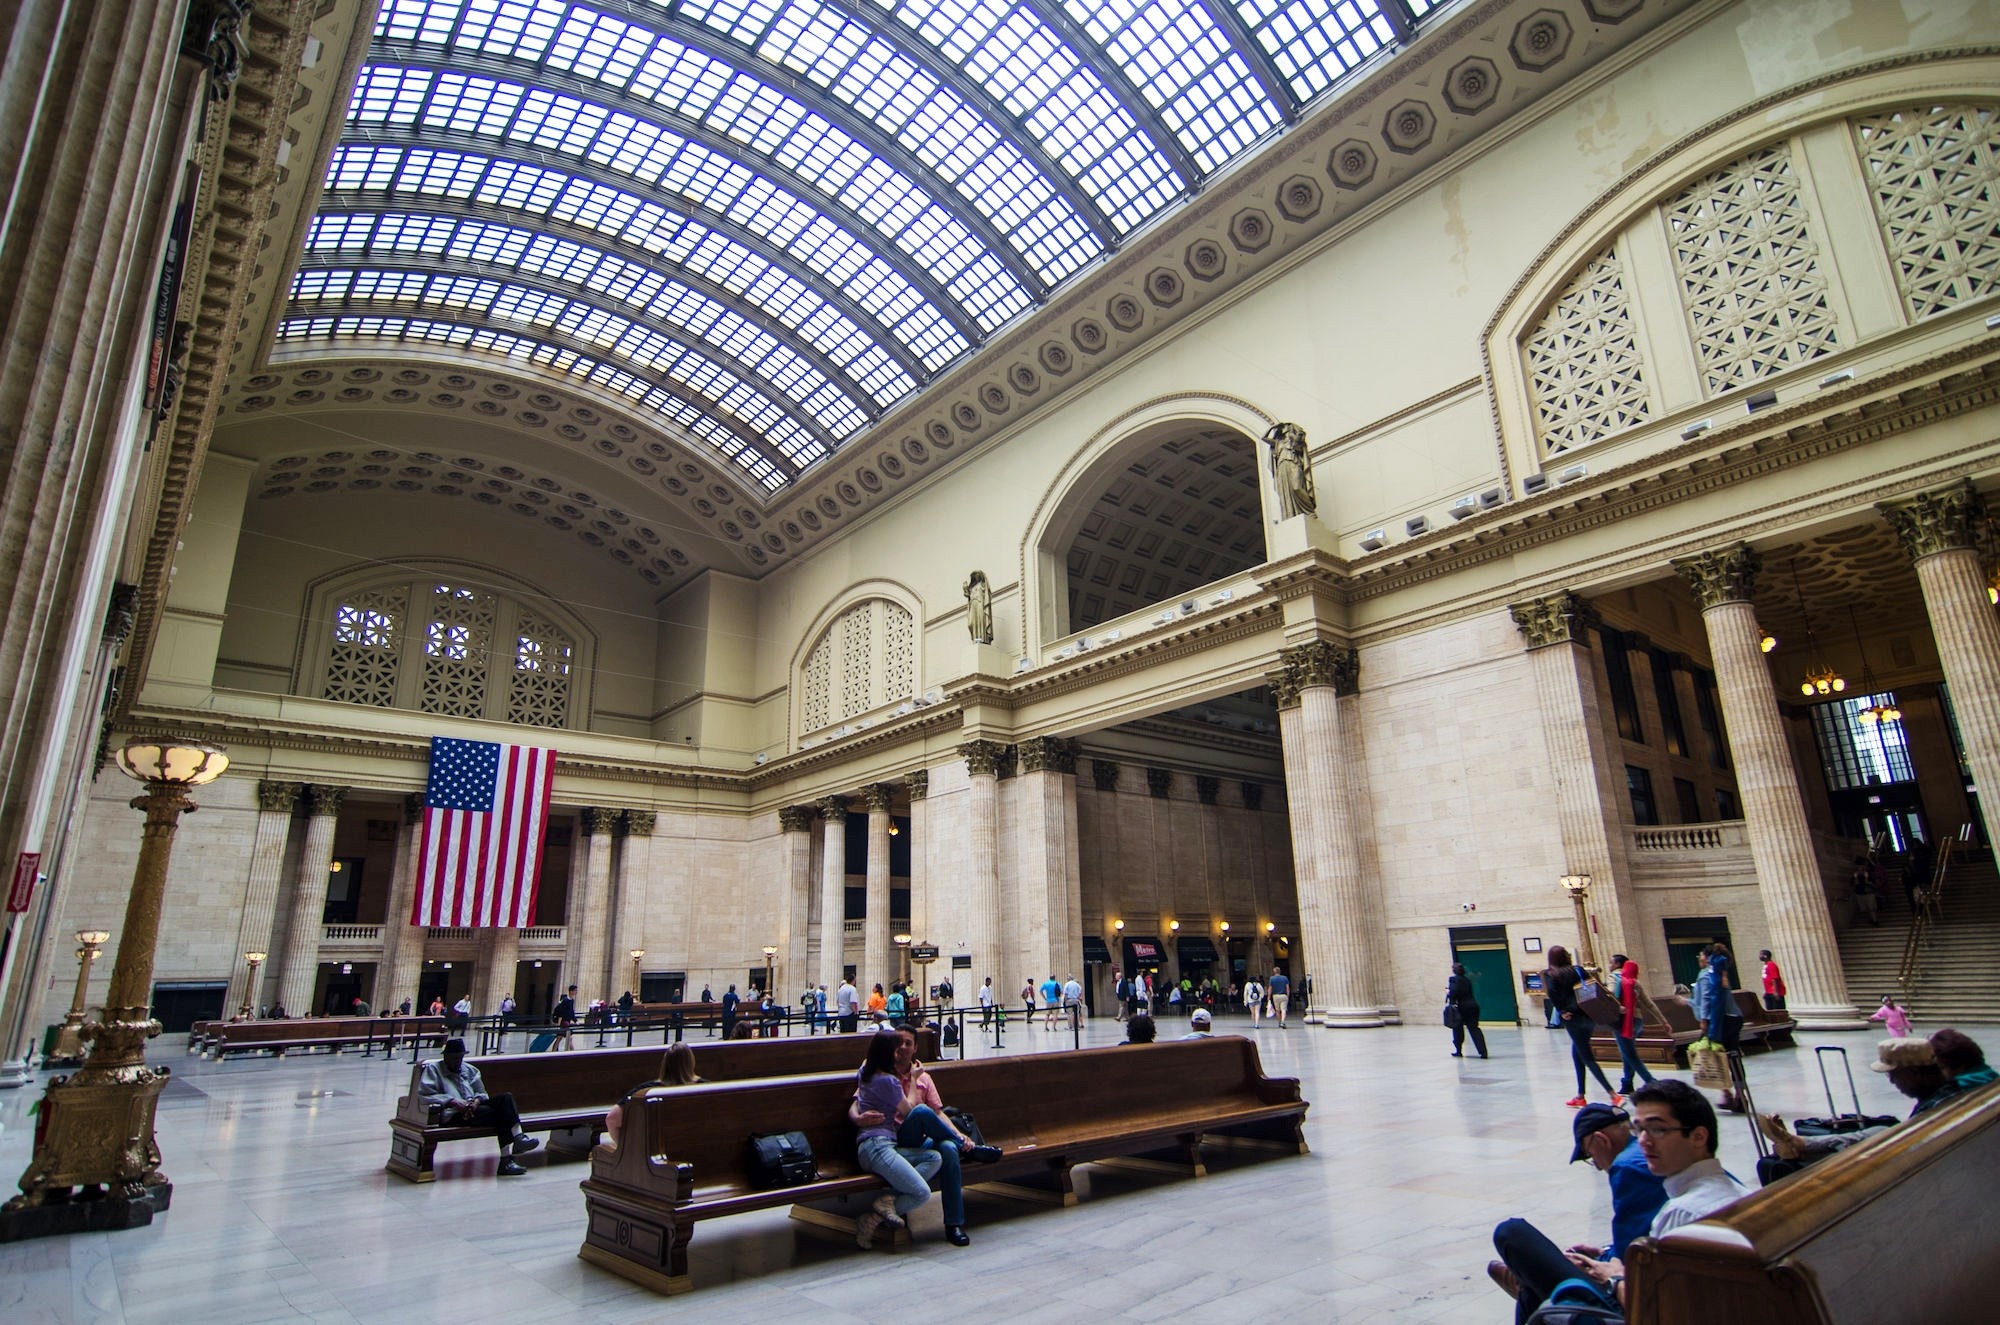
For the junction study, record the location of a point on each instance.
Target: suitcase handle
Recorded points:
(1819, 1056)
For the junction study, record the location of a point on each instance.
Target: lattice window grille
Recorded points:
(538, 690)
(899, 654)
(1934, 172)
(458, 644)
(1584, 367)
(855, 658)
(367, 645)
(1751, 284)
(819, 684)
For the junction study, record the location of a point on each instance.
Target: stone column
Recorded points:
(635, 870)
(403, 942)
(982, 875)
(1051, 926)
(275, 801)
(832, 893)
(1940, 530)
(1335, 906)
(878, 962)
(1582, 761)
(301, 964)
(1774, 815)
(919, 785)
(795, 920)
(588, 940)
(499, 956)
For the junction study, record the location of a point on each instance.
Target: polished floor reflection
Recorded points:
(282, 1211)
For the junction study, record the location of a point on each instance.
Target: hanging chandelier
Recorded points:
(1881, 708)
(1820, 678)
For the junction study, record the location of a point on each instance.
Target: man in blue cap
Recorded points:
(1530, 1266)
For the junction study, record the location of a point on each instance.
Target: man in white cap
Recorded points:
(1200, 1025)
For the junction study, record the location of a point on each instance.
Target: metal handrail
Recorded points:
(1929, 910)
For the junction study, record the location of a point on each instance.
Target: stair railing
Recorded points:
(1929, 910)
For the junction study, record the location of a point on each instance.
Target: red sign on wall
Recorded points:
(26, 870)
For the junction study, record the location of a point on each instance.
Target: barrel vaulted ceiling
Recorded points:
(779, 257)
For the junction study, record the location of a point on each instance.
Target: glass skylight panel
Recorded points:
(1174, 53)
(1311, 42)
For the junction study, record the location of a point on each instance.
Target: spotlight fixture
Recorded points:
(1694, 430)
(1223, 596)
(1374, 540)
(1533, 484)
(1759, 400)
(1464, 506)
(1835, 379)
(1490, 498)
(1573, 473)
(1417, 526)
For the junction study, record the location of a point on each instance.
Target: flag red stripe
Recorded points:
(483, 868)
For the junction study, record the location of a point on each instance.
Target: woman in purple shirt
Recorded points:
(930, 1145)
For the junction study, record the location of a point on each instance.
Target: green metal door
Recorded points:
(1492, 975)
(1686, 937)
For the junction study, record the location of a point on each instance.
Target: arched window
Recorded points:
(447, 645)
(865, 659)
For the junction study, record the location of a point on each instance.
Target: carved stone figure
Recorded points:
(979, 608)
(1291, 470)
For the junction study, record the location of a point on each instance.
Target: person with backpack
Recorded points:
(1253, 1003)
(565, 1018)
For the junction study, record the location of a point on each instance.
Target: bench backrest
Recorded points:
(594, 1080)
(1899, 1227)
(1679, 1014)
(1021, 1100)
(323, 1028)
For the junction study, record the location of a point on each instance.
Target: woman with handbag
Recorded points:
(1461, 1012)
(1625, 988)
(1721, 1018)
(886, 1116)
(1560, 982)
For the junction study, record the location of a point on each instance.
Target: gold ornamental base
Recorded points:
(96, 1164)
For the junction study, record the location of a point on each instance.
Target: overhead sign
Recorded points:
(923, 954)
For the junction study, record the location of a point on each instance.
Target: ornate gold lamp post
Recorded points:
(637, 953)
(770, 960)
(248, 1010)
(1578, 888)
(69, 1039)
(97, 1124)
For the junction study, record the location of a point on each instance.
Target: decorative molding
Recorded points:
(919, 783)
(833, 809)
(278, 797)
(1558, 618)
(1048, 754)
(1727, 576)
(1253, 795)
(982, 758)
(1159, 781)
(1322, 663)
(1944, 520)
(120, 613)
(1104, 774)
(1009, 762)
(639, 823)
(879, 797)
(1284, 689)
(796, 818)
(599, 821)
(325, 800)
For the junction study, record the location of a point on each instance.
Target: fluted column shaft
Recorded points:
(592, 945)
(833, 894)
(1774, 815)
(919, 783)
(499, 955)
(635, 868)
(795, 918)
(1334, 922)
(983, 928)
(877, 963)
(260, 897)
(1050, 940)
(1583, 764)
(1941, 531)
(403, 942)
(301, 964)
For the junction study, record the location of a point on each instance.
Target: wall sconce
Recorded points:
(1225, 926)
(1118, 926)
(1173, 926)
(1270, 927)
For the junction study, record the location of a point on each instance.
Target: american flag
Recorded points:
(485, 812)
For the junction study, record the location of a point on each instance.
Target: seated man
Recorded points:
(1677, 1135)
(452, 1087)
(1201, 1026)
(1913, 1067)
(1604, 1136)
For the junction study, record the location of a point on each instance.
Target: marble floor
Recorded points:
(281, 1210)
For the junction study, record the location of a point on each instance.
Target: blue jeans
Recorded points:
(907, 1171)
(1628, 1054)
(923, 1130)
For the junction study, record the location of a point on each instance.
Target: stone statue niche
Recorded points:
(1291, 470)
(979, 608)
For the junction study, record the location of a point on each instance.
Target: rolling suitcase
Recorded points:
(1837, 1123)
(542, 1043)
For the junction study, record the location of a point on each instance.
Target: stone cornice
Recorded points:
(1244, 620)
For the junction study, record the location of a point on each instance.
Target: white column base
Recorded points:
(1336, 1019)
(15, 1073)
(1829, 1019)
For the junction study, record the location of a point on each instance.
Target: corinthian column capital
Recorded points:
(277, 797)
(880, 796)
(833, 809)
(796, 818)
(1323, 663)
(982, 758)
(1942, 521)
(1558, 618)
(326, 800)
(1728, 576)
(919, 783)
(1050, 754)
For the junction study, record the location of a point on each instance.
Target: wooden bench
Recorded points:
(1670, 1028)
(1767, 1029)
(334, 1033)
(1902, 1227)
(568, 1094)
(684, 1153)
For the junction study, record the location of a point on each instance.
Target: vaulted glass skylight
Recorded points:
(769, 221)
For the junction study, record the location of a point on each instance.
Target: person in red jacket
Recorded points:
(1774, 983)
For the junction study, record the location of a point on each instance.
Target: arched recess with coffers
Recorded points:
(1827, 229)
(449, 638)
(1164, 499)
(862, 655)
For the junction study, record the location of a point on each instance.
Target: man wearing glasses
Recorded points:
(1676, 1130)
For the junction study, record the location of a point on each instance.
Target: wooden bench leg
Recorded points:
(649, 1253)
(838, 1217)
(1181, 1160)
(410, 1156)
(1052, 1186)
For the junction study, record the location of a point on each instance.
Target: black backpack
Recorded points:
(780, 1159)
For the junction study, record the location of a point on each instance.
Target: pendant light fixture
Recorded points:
(1880, 710)
(1820, 679)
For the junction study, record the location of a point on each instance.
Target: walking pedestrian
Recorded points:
(1560, 980)
(1461, 998)
(1625, 988)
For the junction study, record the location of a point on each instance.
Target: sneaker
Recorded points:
(1617, 1100)
(525, 1143)
(509, 1169)
(864, 1229)
(1575, 1103)
(984, 1154)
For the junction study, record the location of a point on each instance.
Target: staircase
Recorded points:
(1958, 968)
